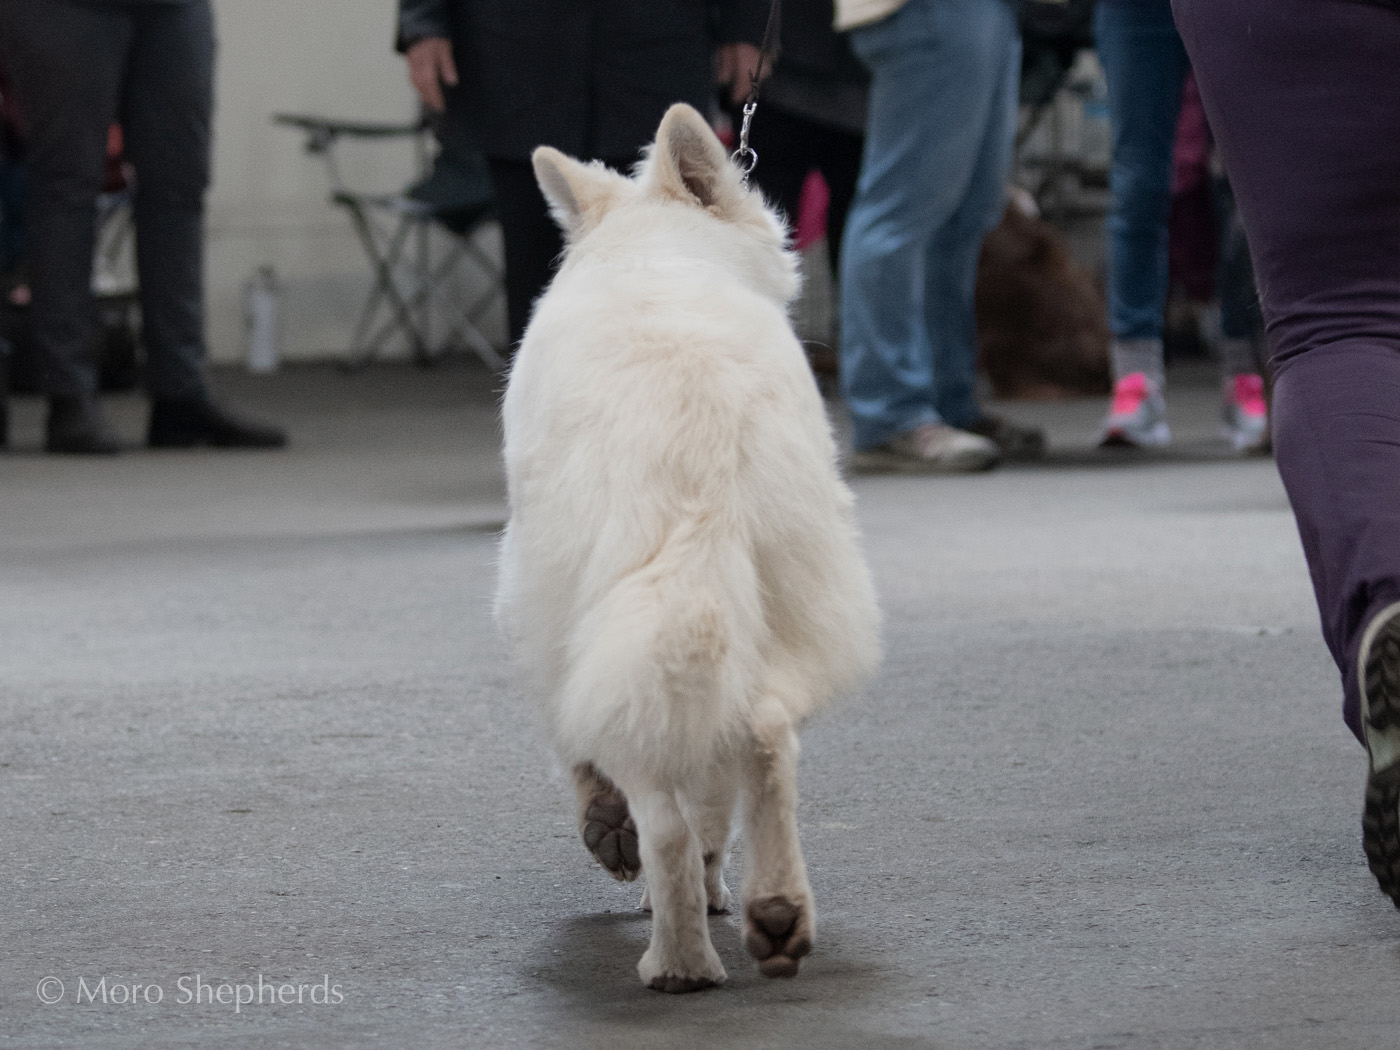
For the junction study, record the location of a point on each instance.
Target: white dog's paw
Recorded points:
(718, 898)
(717, 903)
(778, 933)
(610, 834)
(673, 972)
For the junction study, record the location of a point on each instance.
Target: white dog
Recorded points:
(681, 571)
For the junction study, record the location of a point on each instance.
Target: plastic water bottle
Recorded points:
(261, 318)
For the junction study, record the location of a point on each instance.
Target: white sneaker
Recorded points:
(934, 448)
(1138, 416)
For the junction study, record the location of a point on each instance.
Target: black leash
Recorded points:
(745, 156)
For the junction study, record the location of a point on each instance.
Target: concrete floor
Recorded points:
(254, 720)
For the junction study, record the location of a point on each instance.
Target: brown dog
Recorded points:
(1041, 322)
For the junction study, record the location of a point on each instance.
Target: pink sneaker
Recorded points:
(1246, 414)
(1138, 416)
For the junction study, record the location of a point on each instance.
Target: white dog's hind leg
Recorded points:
(713, 815)
(606, 824)
(681, 957)
(779, 917)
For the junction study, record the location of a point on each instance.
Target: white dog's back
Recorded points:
(678, 523)
(681, 550)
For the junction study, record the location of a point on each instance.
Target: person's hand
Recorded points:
(735, 65)
(430, 66)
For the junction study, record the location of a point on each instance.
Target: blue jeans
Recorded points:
(938, 145)
(1145, 65)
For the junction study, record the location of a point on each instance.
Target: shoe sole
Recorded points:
(1379, 672)
(1380, 833)
(876, 462)
(1116, 437)
(1378, 676)
(1247, 443)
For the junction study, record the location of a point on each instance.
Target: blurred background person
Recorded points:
(78, 66)
(14, 284)
(939, 135)
(1146, 70)
(1304, 98)
(592, 80)
(812, 119)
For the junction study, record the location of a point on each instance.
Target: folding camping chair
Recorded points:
(1053, 33)
(395, 230)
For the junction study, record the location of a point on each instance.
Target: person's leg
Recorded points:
(837, 156)
(1303, 97)
(532, 240)
(839, 163)
(66, 61)
(1240, 319)
(167, 117)
(12, 215)
(1145, 67)
(1300, 105)
(937, 66)
(1245, 409)
(950, 259)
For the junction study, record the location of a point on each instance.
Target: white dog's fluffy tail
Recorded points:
(662, 665)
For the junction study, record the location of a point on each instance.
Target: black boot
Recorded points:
(76, 426)
(198, 421)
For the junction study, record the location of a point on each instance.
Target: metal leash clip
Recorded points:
(744, 156)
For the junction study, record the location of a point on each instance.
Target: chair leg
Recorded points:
(384, 253)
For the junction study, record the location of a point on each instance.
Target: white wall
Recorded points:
(269, 201)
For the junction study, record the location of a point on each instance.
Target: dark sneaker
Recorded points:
(187, 424)
(1014, 440)
(1379, 682)
(76, 427)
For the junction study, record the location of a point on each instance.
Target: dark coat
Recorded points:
(589, 77)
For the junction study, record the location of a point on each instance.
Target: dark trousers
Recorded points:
(77, 68)
(1304, 101)
(790, 146)
(13, 180)
(532, 240)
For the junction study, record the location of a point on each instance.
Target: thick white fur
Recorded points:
(681, 572)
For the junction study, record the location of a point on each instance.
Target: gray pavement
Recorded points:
(254, 720)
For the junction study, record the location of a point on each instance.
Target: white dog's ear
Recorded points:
(690, 164)
(578, 194)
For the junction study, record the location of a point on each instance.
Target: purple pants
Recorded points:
(1304, 100)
